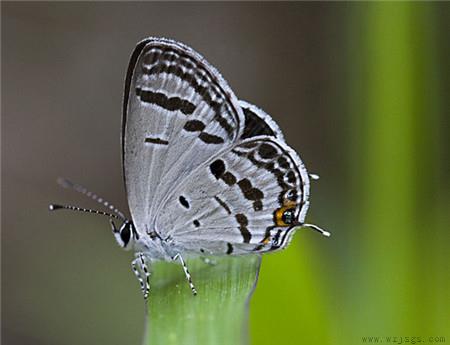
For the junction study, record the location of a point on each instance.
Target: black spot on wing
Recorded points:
(267, 151)
(196, 223)
(194, 126)
(291, 177)
(228, 178)
(183, 201)
(243, 222)
(229, 248)
(251, 193)
(283, 162)
(210, 138)
(257, 205)
(217, 168)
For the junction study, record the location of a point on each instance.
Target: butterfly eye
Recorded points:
(125, 234)
(288, 216)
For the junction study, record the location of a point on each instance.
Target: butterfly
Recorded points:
(205, 173)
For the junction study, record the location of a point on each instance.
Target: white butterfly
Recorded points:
(205, 173)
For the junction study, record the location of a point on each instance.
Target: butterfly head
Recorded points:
(126, 235)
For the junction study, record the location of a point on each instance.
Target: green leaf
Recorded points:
(219, 312)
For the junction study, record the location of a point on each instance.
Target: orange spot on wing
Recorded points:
(287, 204)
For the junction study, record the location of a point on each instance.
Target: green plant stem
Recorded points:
(219, 312)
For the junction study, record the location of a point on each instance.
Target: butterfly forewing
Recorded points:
(236, 202)
(178, 113)
(258, 122)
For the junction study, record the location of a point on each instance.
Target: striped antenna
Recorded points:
(65, 183)
(54, 207)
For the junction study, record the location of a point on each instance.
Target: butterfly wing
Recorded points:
(178, 112)
(247, 199)
(258, 122)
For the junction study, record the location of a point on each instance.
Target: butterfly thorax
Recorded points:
(154, 246)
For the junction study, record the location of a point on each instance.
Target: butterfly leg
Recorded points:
(186, 273)
(143, 270)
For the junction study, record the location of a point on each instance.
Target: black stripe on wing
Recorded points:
(188, 70)
(168, 103)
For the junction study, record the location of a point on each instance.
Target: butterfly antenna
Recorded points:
(54, 207)
(65, 183)
(317, 228)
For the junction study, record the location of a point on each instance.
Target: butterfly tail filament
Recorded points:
(317, 228)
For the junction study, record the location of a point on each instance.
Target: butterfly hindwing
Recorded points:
(236, 203)
(178, 113)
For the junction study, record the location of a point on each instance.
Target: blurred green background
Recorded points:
(360, 91)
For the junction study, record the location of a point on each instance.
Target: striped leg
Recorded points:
(143, 270)
(186, 273)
